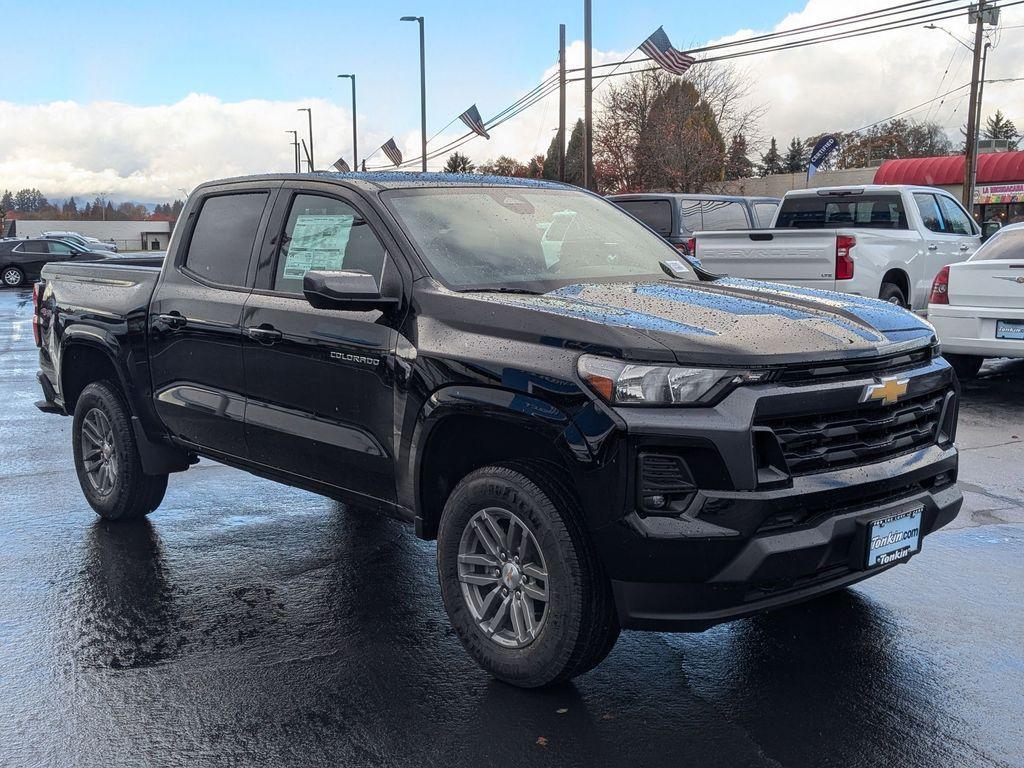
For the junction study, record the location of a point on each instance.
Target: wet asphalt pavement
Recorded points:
(251, 624)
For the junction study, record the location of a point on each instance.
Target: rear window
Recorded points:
(1004, 244)
(765, 212)
(834, 211)
(223, 237)
(656, 214)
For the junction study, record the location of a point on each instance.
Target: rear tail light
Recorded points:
(844, 260)
(692, 245)
(940, 288)
(37, 333)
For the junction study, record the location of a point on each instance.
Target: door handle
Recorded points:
(172, 320)
(264, 334)
(964, 246)
(933, 247)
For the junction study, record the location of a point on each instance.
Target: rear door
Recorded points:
(195, 320)
(31, 256)
(320, 382)
(948, 234)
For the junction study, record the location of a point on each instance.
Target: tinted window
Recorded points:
(765, 212)
(223, 237)
(62, 248)
(956, 219)
(1004, 244)
(656, 214)
(722, 214)
(33, 246)
(834, 211)
(323, 233)
(929, 209)
(691, 215)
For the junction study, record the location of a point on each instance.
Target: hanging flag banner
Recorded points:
(471, 117)
(392, 151)
(341, 165)
(825, 146)
(658, 47)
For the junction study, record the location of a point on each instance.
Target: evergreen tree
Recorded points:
(7, 201)
(737, 164)
(574, 156)
(998, 127)
(550, 170)
(771, 161)
(795, 160)
(459, 163)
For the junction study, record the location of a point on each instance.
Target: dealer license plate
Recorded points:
(1010, 329)
(894, 538)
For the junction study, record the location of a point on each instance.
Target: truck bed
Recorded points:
(109, 288)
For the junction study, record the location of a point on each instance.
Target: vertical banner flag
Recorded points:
(392, 151)
(825, 146)
(471, 117)
(658, 47)
(341, 165)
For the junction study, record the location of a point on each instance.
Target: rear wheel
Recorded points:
(107, 458)
(12, 277)
(966, 366)
(521, 583)
(893, 294)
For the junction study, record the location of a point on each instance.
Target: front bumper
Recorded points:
(752, 533)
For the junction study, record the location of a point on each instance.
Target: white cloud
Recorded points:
(152, 152)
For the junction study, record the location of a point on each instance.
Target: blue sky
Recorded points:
(484, 51)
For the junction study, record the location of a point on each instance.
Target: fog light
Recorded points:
(655, 502)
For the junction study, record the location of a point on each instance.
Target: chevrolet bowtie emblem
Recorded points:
(886, 391)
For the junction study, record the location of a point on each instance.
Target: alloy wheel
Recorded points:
(504, 577)
(12, 277)
(99, 455)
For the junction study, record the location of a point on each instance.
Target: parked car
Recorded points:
(22, 260)
(608, 440)
(885, 242)
(977, 306)
(677, 216)
(88, 243)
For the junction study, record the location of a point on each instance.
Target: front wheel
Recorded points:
(521, 583)
(107, 458)
(966, 366)
(13, 277)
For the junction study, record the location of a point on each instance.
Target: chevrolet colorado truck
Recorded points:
(599, 435)
(880, 241)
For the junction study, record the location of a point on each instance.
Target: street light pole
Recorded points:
(355, 150)
(423, 91)
(295, 146)
(309, 114)
(588, 100)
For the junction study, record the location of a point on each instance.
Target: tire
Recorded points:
(574, 627)
(107, 457)
(893, 294)
(966, 366)
(12, 277)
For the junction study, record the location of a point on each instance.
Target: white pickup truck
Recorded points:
(885, 242)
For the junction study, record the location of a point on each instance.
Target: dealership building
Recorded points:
(999, 186)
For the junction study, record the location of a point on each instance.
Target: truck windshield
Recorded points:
(837, 211)
(479, 238)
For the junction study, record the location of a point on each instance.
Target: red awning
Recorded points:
(993, 168)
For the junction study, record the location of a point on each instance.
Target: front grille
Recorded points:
(829, 441)
(886, 365)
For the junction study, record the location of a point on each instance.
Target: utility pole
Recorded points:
(295, 146)
(355, 151)
(977, 123)
(971, 145)
(309, 151)
(588, 100)
(561, 102)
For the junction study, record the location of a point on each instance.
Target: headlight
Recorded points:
(630, 384)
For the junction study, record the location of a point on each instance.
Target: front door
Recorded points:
(195, 323)
(319, 382)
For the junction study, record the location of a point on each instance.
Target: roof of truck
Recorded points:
(401, 180)
(865, 189)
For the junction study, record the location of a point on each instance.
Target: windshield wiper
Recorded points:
(502, 289)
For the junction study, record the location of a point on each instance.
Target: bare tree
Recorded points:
(623, 119)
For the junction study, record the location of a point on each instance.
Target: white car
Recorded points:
(883, 242)
(977, 307)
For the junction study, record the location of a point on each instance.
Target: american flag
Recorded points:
(341, 165)
(471, 117)
(392, 151)
(658, 47)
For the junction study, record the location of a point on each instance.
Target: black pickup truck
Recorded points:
(599, 434)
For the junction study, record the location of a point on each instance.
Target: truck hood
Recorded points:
(735, 320)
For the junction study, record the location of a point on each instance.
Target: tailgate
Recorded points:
(800, 257)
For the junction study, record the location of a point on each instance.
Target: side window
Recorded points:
(929, 209)
(223, 237)
(657, 214)
(957, 221)
(723, 214)
(60, 248)
(324, 233)
(691, 215)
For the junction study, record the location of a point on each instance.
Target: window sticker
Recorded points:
(318, 242)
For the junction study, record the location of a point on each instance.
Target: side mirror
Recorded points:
(989, 228)
(353, 290)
